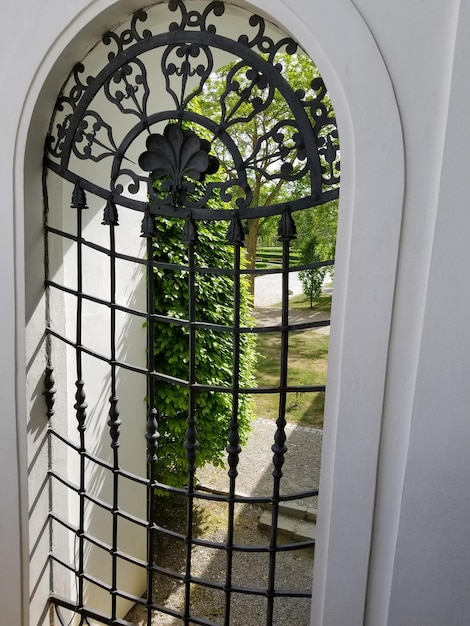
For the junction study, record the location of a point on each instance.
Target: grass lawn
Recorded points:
(308, 357)
(322, 303)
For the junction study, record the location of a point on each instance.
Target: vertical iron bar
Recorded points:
(191, 443)
(152, 426)
(49, 389)
(279, 447)
(233, 448)
(48, 348)
(49, 393)
(80, 407)
(114, 424)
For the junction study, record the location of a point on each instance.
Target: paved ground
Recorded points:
(301, 473)
(302, 462)
(268, 288)
(269, 316)
(268, 293)
(301, 468)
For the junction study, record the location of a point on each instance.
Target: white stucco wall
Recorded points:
(414, 562)
(393, 531)
(429, 579)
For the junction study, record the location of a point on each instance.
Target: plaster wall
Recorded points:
(418, 560)
(394, 505)
(130, 346)
(432, 555)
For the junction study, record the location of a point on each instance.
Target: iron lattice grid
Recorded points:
(306, 148)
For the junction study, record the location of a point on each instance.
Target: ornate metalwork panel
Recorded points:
(210, 125)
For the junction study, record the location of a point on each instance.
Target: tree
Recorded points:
(230, 97)
(319, 223)
(316, 242)
(312, 278)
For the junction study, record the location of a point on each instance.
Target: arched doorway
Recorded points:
(138, 109)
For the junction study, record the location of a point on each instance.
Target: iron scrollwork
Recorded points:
(94, 138)
(183, 62)
(128, 88)
(297, 143)
(194, 19)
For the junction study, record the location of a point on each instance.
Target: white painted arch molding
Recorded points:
(372, 189)
(338, 39)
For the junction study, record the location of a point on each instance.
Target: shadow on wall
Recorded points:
(99, 481)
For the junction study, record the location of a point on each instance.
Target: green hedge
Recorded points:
(214, 350)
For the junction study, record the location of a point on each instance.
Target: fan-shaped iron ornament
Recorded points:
(176, 158)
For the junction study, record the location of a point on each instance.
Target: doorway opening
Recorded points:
(183, 141)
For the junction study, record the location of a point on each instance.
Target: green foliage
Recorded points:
(214, 349)
(318, 223)
(311, 279)
(214, 294)
(316, 242)
(247, 126)
(271, 256)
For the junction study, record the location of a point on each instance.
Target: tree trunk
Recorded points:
(251, 241)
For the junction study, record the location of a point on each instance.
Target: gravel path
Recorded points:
(268, 289)
(293, 568)
(301, 469)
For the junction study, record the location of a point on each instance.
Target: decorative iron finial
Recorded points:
(78, 197)
(50, 390)
(234, 448)
(287, 229)
(147, 227)
(114, 422)
(152, 435)
(279, 448)
(189, 234)
(235, 233)
(110, 214)
(191, 444)
(80, 405)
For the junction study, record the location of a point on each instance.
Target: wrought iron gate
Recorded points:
(137, 132)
